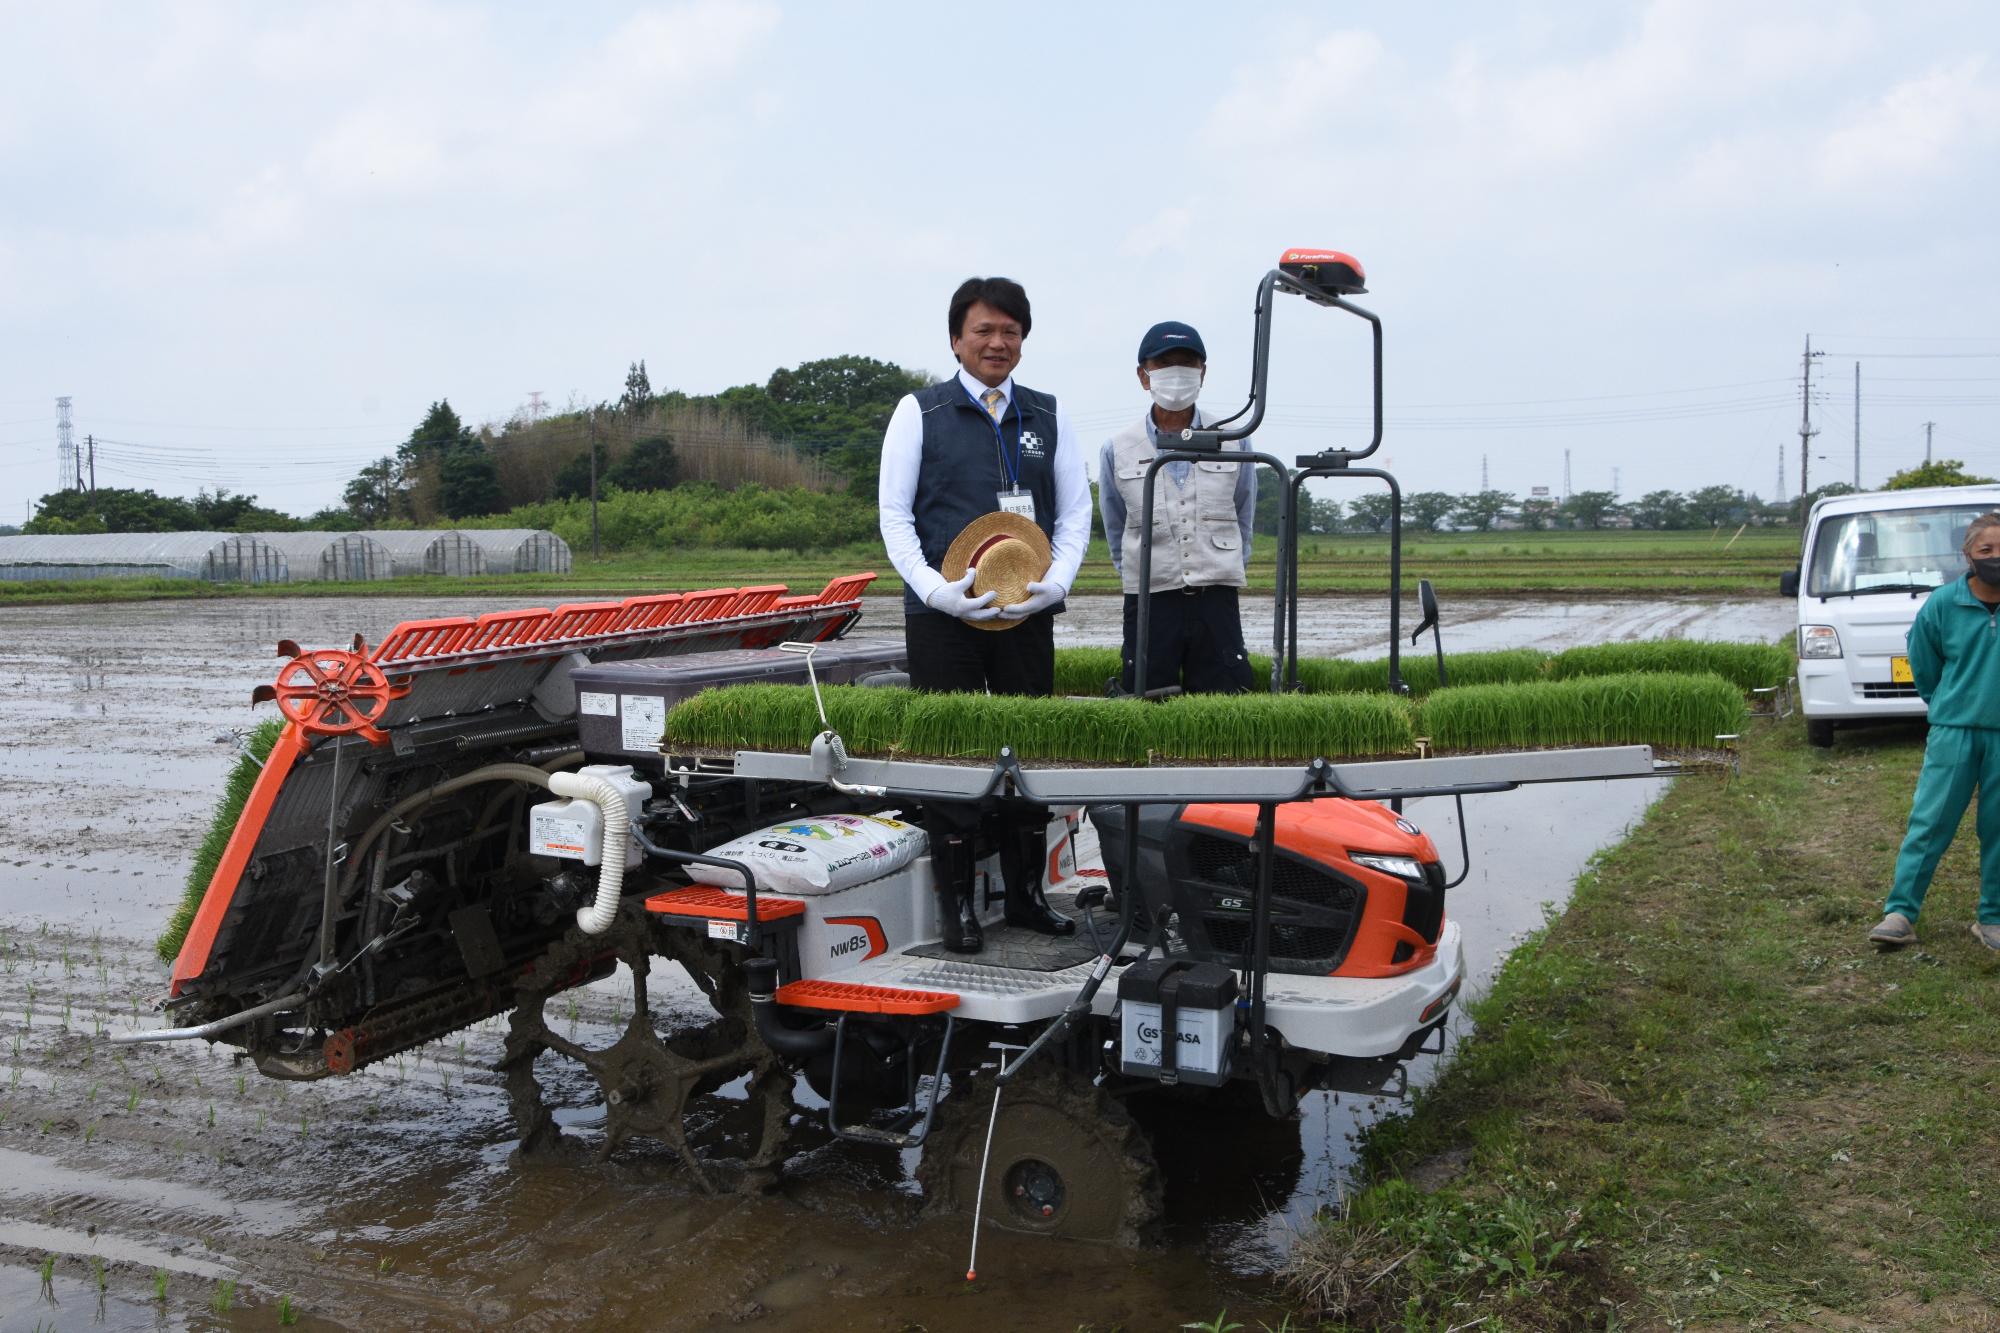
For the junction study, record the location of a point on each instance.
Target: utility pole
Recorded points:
(1857, 425)
(66, 449)
(1806, 431)
(1615, 492)
(91, 440)
(1565, 476)
(1927, 442)
(594, 552)
(1781, 472)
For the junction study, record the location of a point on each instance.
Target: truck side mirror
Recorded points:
(1427, 599)
(1788, 583)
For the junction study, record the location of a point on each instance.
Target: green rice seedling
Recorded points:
(1748, 666)
(97, 1272)
(1326, 675)
(132, 1101)
(1637, 709)
(1250, 728)
(786, 717)
(1085, 670)
(91, 1096)
(160, 1280)
(48, 1272)
(211, 1115)
(288, 1314)
(240, 1084)
(224, 1297)
(977, 726)
(235, 793)
(90, 1131)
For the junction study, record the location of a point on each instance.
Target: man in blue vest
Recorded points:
(973, 444)
(1200, 533)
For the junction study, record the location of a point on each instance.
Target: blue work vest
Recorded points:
(965, 468)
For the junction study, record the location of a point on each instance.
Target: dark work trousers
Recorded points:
(947, 655)
(1196, 642)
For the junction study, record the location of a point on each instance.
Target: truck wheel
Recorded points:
(1067, 1160)
(1819, 732)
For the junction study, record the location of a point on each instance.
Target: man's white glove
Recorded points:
(1041, 596)
(951, 599)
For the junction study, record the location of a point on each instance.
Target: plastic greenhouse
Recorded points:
(522, 550)
(430, 551)
(215, 557)
(332, 557)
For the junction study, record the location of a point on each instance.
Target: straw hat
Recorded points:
(1006, 552)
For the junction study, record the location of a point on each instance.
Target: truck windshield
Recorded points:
(1890, 550)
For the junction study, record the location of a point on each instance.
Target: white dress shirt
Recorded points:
(902, 458)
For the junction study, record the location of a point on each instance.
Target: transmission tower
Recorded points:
(534, 406)
(66, 459)
(1566, 474)
(1615, 491)
(1484, 484)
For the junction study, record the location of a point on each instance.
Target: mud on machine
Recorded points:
(481, 813)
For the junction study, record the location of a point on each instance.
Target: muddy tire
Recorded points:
(1819, 732)
(1068, 1160)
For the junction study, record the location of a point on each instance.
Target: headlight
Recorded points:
(1818, 641)
(1402, 867)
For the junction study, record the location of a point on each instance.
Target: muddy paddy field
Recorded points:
(168, 1186)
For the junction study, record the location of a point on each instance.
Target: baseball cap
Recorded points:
(1168, 335)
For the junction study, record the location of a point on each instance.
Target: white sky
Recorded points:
(255, 241)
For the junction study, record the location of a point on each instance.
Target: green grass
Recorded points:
(1699, 1095)
(235, 791)
(1632, 709)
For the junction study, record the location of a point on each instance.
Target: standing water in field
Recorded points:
(390, 1198)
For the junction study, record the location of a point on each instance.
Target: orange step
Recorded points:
(722, 905)
(858, 999)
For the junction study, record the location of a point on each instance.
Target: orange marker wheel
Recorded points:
(333, 692)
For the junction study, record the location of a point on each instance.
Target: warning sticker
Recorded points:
(597, 705)
(722, 930)
(642, 721)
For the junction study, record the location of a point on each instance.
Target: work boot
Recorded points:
(955, 873)
(1988, 934)
(1024, 850)
(1894, 932)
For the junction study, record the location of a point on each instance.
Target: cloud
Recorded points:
(1165, 230)
(1336, 79)
(1923, 127)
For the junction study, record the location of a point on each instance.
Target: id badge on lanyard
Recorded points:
(1018, 501)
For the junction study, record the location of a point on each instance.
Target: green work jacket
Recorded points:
(1955, 657)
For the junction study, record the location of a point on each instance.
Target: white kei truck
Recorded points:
(1867, 561)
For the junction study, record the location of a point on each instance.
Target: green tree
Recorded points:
(1369, 511)
(1943, 472)
(1589, 509)
(1659, 510)
(112, 509)
(1483, 509)
(468, 483)
(649, 465)
(638, 395)
(1712, 506)
(1537, 513)
(1426, 511)
(1322, 516)
(435, 436)
(573, 478)
(370, 497)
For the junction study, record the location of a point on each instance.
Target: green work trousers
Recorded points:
(1956, 760)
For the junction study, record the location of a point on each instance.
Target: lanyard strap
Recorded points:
(1010, 468)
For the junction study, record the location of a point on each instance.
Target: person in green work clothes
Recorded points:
(1955, 661)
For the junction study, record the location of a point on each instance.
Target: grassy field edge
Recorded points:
(1697, 1098)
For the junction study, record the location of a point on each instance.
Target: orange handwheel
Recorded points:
(332, 692)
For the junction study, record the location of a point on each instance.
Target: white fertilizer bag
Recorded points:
(818, 854)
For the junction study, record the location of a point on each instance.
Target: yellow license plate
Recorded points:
(1899, 671)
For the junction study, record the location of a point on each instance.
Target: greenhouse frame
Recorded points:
(213, 557)
(331, 557)
(430, 551)
(522, 550)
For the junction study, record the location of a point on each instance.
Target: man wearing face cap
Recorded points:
(1202, 514)
(977, 454)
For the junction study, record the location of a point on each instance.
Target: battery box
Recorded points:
(622, 706)
(1196, 1002)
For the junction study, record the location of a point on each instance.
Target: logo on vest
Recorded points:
(1031, 445)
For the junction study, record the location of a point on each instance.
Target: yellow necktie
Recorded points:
(996, 403)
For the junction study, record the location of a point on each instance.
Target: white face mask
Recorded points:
(1175, 387)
